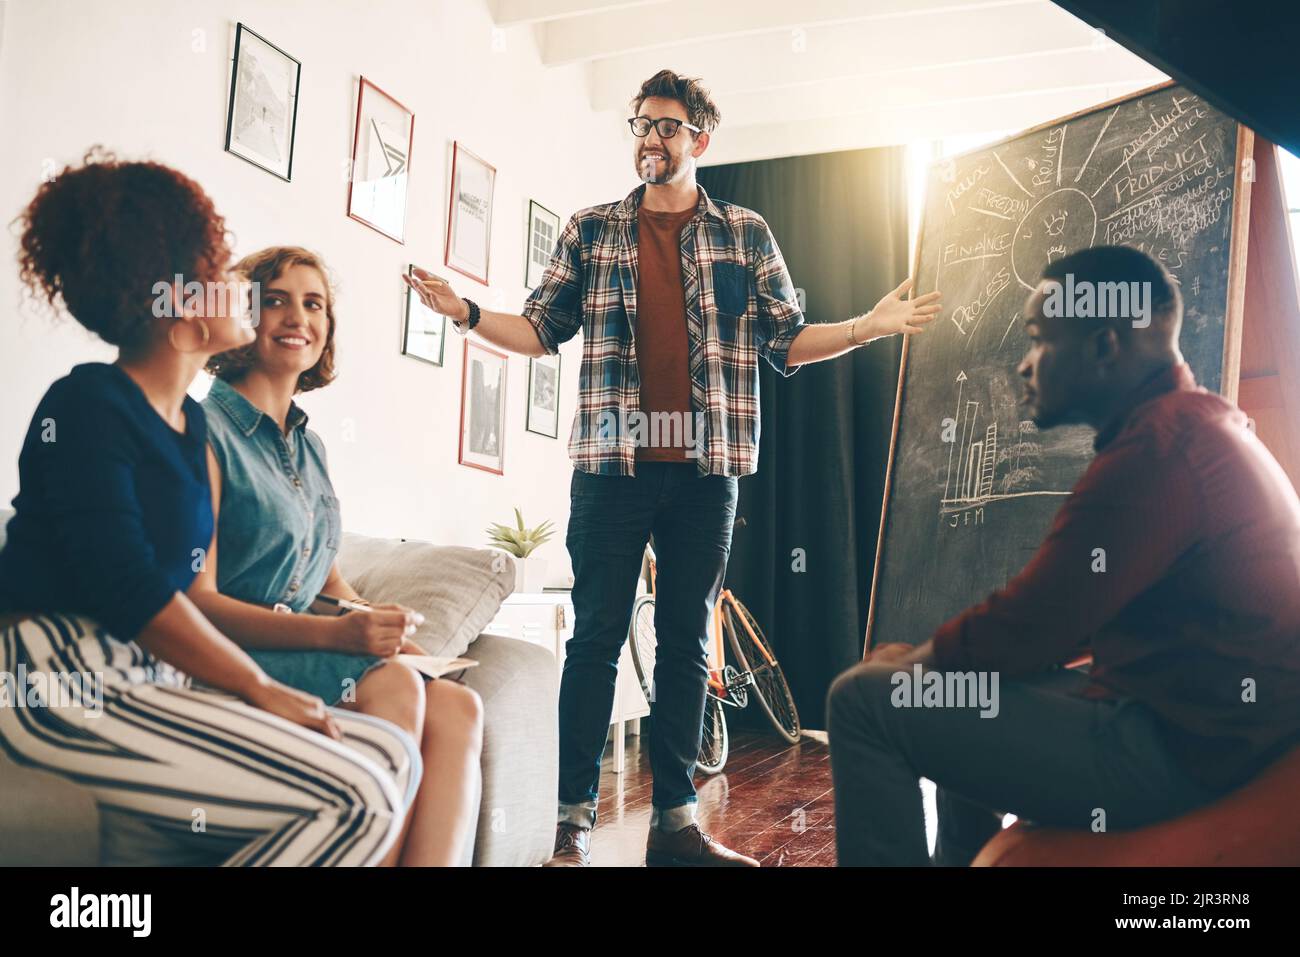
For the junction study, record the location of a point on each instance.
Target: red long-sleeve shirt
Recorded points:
(1197, 611)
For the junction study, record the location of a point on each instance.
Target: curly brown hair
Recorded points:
(262, 268)
(700, 109)
(101, 236)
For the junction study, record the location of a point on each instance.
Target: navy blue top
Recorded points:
(114, 513)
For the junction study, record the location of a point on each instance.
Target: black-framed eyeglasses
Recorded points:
(666, 126)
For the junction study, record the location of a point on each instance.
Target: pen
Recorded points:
(343, 603)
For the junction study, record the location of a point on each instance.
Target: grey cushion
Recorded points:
(521, 747)
(45, 819)
(458, 590)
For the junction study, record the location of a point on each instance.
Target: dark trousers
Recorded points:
(610, 521)
(1048, 756)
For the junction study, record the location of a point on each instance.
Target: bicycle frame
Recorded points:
(728, 598)
(726, 684)
(717, 655)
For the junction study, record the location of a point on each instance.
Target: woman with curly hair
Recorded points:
(112, 522)
(278, 533)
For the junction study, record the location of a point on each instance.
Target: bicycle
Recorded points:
(729, 686)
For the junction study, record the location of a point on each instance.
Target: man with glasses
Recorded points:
(677, 295)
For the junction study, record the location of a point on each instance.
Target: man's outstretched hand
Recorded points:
(436, 293)
(894, 314)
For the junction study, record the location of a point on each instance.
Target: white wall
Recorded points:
(126, 74)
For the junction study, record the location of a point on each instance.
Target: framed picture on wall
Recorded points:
(469, 214)
(262, 114)
(424, 332)
(483, 409)
(543, 232)
(544, 396)
(381, 162)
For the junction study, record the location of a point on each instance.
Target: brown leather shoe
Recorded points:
(572, 847)
(690, 847)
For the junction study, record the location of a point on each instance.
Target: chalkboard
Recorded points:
(972, 485)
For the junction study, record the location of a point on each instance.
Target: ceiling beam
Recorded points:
(770, 61)
(616, 32)
(994, 77)
(892, 127)
(511, 13)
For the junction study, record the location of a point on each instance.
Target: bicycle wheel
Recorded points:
(754, 655)
(642, 643)
(714, 742)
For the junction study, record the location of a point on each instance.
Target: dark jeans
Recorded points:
(1047, 756)
(610, 520)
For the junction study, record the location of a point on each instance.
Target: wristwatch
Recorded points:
(471, 321)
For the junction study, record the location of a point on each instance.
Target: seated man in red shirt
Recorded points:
(1192, 613)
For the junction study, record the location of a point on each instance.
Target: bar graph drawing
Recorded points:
(979, 469)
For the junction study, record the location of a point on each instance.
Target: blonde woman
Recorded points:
(278, 533)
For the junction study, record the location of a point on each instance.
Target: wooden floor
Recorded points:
(771, 801)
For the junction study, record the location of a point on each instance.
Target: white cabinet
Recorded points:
(546, 619)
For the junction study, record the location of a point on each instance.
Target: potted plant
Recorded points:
(521, 542)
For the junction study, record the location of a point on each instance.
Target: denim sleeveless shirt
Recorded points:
(278, 527)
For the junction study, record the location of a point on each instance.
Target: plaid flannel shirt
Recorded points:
(740, 303)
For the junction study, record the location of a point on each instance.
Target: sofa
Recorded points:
(46, 819)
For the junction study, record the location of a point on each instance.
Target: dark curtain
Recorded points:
(841, 222)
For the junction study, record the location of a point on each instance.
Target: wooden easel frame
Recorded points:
(1269, 359)
(1266, 283)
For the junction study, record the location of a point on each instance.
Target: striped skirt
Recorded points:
(196, 762)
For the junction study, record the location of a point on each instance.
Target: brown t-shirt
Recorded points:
(661, 344)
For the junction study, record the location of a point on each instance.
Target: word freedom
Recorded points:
(103, 910)
(945, 689)
(1098, 300)
(37, 689)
